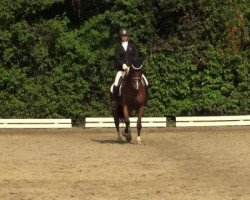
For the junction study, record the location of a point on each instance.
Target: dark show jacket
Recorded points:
(122, 56)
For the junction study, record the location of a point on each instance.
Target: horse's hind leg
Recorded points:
(140, 114)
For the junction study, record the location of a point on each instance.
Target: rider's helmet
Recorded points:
(123, 31)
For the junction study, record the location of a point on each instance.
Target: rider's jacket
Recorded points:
(125, 57)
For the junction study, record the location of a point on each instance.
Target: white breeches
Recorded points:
(118, 75)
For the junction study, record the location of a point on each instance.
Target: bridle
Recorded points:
(136, 68)
(135, 81)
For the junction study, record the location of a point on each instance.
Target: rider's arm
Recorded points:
(118, 60)
(136, 51)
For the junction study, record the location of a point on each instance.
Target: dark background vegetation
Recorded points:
(53, 64)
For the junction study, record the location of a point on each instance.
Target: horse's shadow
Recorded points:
(110, 141)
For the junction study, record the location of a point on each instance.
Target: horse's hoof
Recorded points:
(125, 134)
(128, 138)
(138, 140)
(119, 139)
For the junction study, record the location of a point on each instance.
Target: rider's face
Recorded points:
(124, 38)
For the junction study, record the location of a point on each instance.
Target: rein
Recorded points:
(136, 68)
(136, 80)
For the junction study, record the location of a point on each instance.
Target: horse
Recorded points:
(133, 98)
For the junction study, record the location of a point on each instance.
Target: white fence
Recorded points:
(35, 123)
(109, 122)
(213, 121)
(99, 122)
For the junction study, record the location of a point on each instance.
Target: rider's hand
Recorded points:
(124, 67)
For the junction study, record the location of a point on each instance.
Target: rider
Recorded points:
(125, 53)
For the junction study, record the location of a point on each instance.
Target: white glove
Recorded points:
(124, 67)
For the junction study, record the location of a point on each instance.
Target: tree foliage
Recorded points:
(196, 56)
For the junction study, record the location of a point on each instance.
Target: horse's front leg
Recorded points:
(127, 131)
(139, 126)
(126, 118)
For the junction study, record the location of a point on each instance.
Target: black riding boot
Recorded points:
(115, 96)
(115, 93)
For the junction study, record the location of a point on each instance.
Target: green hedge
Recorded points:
(196, 57)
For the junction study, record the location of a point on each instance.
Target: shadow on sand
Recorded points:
(110, 142)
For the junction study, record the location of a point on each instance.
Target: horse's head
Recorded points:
(135, 72)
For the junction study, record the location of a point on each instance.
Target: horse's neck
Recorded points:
(127, 82)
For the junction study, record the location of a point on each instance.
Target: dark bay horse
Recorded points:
(133, 98)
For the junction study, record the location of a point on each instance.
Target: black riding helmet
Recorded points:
(123, 31)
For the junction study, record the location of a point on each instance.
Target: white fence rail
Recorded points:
(108, 122)
(35, 123)
(213, 121)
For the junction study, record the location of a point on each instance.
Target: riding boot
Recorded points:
(115, 93)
